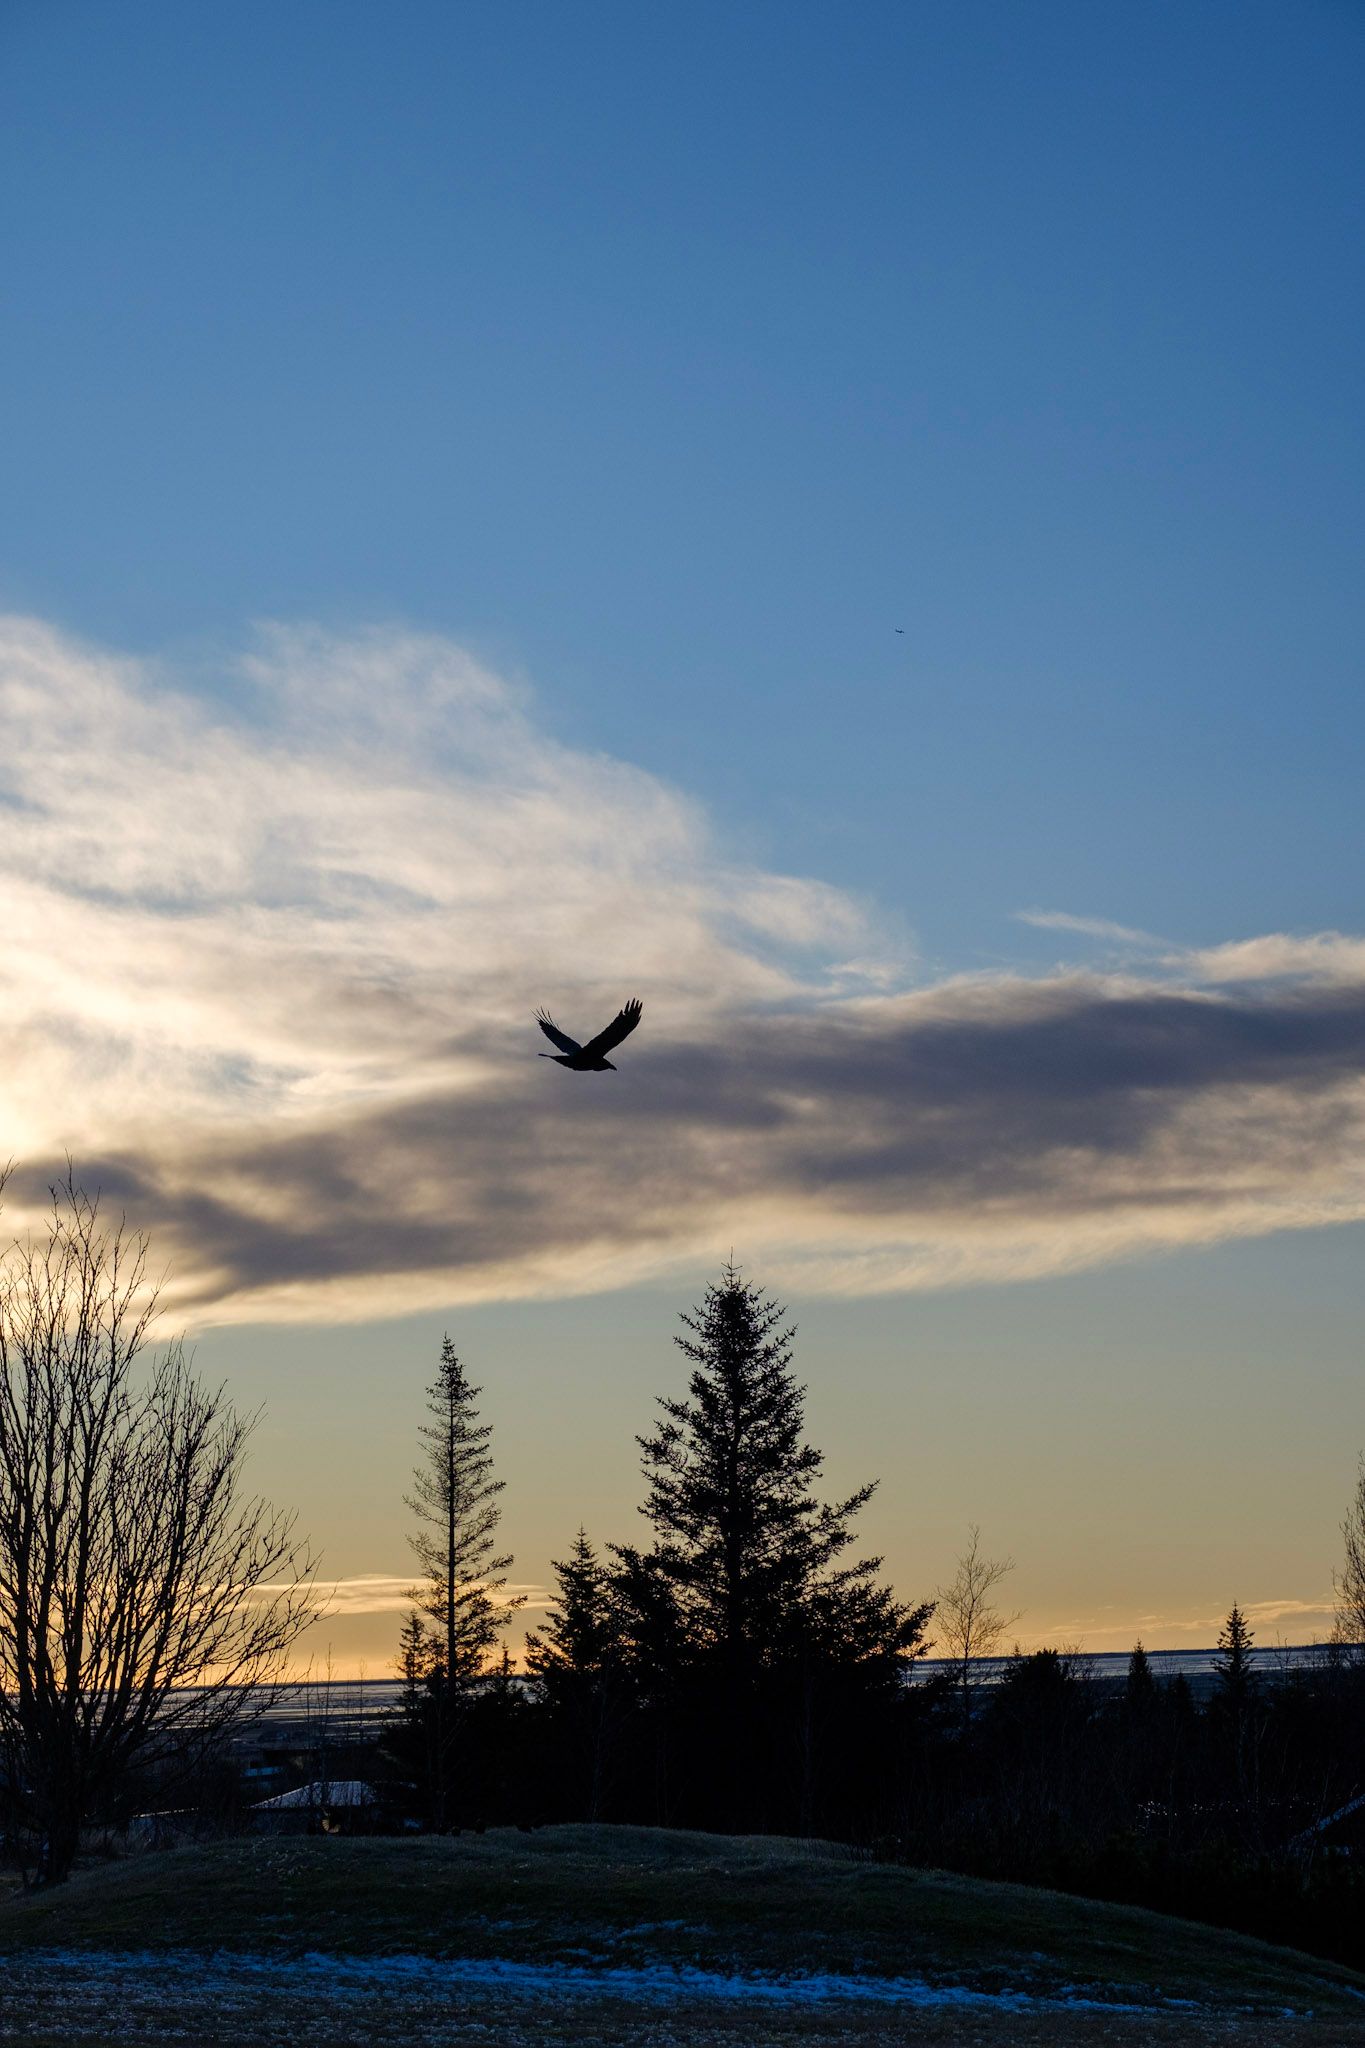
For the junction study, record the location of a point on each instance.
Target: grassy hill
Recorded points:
(585, 1935)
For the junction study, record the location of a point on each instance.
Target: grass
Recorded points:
(595, 1899)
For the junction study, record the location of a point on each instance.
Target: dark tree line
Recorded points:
(745, 1670)
(738, 1671)
(1205, 1806)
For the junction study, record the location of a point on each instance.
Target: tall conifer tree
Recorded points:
(752, 1555)
(747, 1621)
(455, 1499)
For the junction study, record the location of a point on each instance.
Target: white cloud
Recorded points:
(1278, 956)
(360, 890)
(272, 957)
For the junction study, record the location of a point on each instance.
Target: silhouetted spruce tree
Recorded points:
(738, 1531)
(1235, 1697)
(414, 1663)
(409, 1738)
(1235, 1674)
(1136, 1760)
(580, 1634)
(751, 1558)
(455, 1499)
(1140, 1690)
(577, 1665)
(1179, 1700)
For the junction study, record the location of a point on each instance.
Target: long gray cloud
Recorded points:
(282, 1015)
(1020, 1129)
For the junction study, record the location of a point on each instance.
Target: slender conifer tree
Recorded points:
(455, 1500)
(1235, 1672)
(1235, 1700)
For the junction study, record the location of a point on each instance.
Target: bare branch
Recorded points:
(140, 1593)
(970, 1625)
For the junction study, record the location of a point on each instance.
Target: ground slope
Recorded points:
(589, 1935)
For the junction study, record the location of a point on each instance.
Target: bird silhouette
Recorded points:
(590, 1058)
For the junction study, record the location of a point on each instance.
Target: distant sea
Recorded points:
(343, 1704)
(1110, 1667)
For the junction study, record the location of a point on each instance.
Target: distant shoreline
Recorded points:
(365, 1699)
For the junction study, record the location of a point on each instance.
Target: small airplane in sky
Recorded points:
(590, 1058)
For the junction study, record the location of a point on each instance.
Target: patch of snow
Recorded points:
(349, 1976)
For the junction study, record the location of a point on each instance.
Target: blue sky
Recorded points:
(676, 356)
(668, 361)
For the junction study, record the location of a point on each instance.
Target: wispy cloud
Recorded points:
(388, 1593)
(1273, 1620)
(1087, 927)
(270, 973)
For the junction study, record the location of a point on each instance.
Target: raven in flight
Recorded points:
(590, 1058)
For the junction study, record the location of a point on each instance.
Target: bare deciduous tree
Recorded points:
(969, 1624)
(143, 1599)
(1349, 1582)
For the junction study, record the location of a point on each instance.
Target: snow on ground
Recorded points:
(67, 1998)
(332, 1977)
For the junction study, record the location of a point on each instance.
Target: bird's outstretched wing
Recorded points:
(556, 1036)
(621, 1026)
